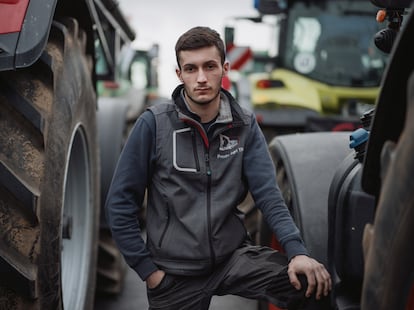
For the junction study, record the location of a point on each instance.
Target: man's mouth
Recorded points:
(202, 89)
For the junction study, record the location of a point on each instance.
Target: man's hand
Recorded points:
(155, 279)
(316, 274)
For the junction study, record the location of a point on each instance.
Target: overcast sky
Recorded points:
(163, 21)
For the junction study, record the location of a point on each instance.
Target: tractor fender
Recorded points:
(389, 254)
(25, 47)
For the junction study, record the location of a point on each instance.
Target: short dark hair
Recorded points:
(199, 37)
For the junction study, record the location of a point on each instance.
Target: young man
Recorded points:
(197, 157)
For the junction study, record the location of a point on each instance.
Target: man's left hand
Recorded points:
(316, 274)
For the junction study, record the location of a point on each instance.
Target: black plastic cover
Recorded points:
(392, 3)
(8, 44)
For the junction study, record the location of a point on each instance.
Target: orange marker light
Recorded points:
(381, 14)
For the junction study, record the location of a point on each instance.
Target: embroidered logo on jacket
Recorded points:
(228, 147)
(227, 144)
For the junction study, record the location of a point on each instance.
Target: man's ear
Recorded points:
(226, 67)
(178, 72)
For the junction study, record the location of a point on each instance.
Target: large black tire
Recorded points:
(49, 191)
(112, 132)
(305, 165)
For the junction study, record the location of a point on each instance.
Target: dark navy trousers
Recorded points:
(254, 272)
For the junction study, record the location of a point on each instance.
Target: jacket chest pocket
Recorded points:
(185, 151)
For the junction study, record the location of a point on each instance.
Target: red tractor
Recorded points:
(57, 129)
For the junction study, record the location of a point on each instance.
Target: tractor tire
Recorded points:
(304, 180)
(49, 190)
(112, 132)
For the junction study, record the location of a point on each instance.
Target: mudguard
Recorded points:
(389, 117)
(22, 49)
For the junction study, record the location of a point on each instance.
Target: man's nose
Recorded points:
(201, 76)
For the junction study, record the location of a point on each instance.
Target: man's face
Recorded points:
(201, 73)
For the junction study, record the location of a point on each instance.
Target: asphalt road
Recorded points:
(133, 297)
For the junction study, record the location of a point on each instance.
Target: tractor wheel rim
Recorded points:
(77, 229)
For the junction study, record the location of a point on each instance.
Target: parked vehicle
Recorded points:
(351, 193)
(65, 110)
(320, 69)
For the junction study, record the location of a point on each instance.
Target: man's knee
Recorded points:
(300, 301)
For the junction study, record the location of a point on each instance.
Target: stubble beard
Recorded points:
(204, 102)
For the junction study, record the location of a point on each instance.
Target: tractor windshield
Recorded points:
(332, 42)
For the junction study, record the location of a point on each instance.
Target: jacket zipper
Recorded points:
(206, 141)
(208, 171)
(197, 161)
(166, 225)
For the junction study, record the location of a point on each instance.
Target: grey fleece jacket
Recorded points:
(195, 179)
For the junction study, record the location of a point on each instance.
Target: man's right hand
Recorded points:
(155, 279)
(318, 277)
